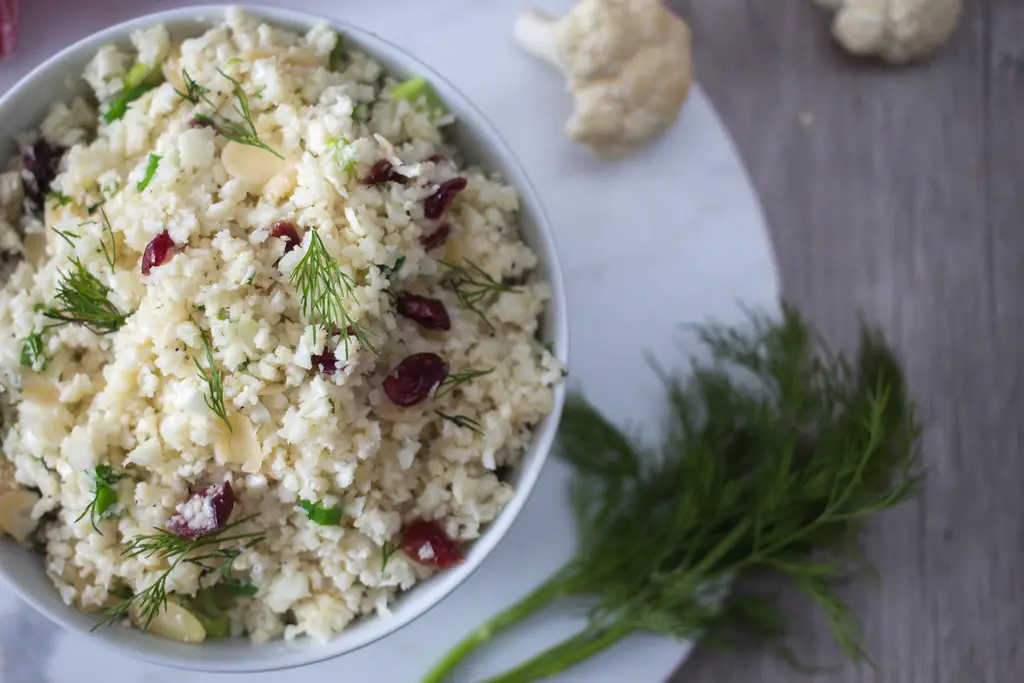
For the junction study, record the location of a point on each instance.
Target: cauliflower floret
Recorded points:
(898, 31)
(628, 63)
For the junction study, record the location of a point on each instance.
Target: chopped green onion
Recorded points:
(139, 80)
(417, 91)
(154, 161)
(142, 74)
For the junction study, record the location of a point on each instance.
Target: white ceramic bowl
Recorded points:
(24, 107)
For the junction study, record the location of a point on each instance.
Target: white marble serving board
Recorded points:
(670, 236)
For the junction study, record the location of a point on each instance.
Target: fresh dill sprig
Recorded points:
(457, 379)
(386, 551)
(104, 495)
(243, 133)
(462, 421)
(151, 165)
(84, 300)
(67, 236)
(207, 552)
(775, 454)
(109, 253)
(323, 287)
(194, 92)
(473, 286)
(214, 382)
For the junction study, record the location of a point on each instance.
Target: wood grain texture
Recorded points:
(900, 196)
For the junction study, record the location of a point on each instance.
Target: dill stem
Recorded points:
(555, 587)
(565, 655)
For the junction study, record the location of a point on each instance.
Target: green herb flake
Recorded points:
(463, 422)
(58, 199)
(151, 166)
(104, 496)
(386, 551)
(337, 52)
(32, 352)
(390, 271)
(457, 379)
(109, 252)
(241, 589)
(319, 514)
(67, 236)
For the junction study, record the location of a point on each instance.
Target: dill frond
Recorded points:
(473, 287)
(207, 552)
(323, 289)
(84, 300)
(214, 379)
(775, 453)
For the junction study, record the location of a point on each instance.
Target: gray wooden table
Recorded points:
(900, 194)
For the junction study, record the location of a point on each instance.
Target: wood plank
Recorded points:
(880, 205)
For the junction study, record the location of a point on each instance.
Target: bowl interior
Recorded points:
(58, 79)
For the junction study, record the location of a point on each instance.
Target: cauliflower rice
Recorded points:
(311, 422)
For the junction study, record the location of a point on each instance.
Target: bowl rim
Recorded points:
(543, 243)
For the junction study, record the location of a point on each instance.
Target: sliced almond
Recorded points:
(453, 250)
(389, 412)
(435, 335)
(35, 246)
(16, 513)
(281, 185)
(39, 390)
(239, 446)
(176, 623)
(252, 165)
(172, 70)
(303, 56)
(273, 389)
(253, 55)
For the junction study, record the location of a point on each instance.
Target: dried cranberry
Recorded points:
(41, 162)
(158, 252)
(426, 542)
(382, 172)
(286, 230)
(325, 362)
(410, 381)
(436, 204)
(204, 512)
(436, 159)
(436, 238)
(429, 313)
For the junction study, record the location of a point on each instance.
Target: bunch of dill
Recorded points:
(775, 454)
